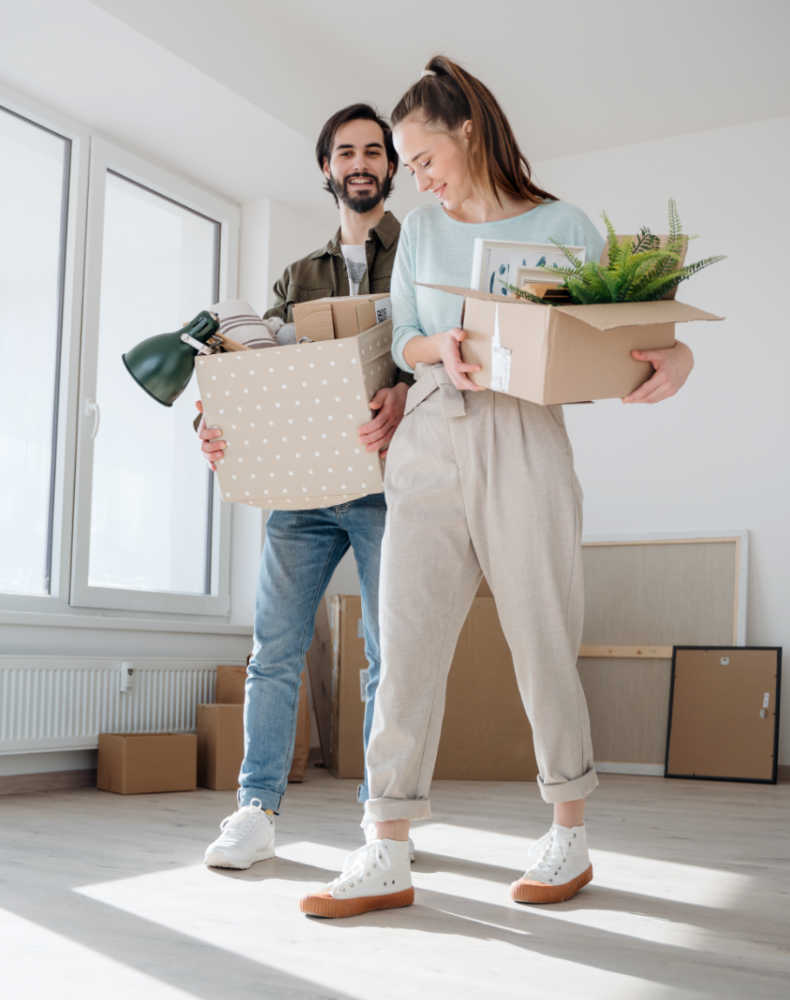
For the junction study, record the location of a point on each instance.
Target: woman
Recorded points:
(475, 481)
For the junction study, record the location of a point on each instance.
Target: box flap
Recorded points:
(609, 315)
(314, 320)
(470, 293)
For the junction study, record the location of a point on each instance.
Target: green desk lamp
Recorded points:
(163, 364)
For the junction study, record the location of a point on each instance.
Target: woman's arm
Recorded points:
(445, 348)
(672, 366)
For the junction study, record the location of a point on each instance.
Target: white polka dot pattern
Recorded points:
(311, 398)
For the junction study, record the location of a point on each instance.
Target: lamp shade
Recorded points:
(163, 364)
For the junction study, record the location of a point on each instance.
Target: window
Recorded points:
(106, 501)
(147, 521)
(34, 190)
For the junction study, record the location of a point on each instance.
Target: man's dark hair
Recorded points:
(326, 138)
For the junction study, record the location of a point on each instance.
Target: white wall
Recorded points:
(715, 456)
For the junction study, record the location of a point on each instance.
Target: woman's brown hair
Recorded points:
(447, 94)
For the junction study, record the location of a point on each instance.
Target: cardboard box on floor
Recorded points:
(230, 684)
(136, 763)
(485, 734)
(290, 414)
(220, 732)
(564, 354)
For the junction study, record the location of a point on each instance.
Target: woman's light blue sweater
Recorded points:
(436, 249)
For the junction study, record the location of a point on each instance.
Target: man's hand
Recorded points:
(672, 366)
(450, 354)
(377, 433)
(212, 448)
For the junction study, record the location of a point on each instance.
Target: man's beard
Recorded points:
(360, 203)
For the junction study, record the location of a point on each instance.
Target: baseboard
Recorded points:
(621, 767)
(47, 781)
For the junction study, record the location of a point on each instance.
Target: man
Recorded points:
(302, 548)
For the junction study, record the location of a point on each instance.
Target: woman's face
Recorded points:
(437, 159)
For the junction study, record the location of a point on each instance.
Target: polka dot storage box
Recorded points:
(290, 416)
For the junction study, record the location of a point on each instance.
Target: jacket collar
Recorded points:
(387, 232)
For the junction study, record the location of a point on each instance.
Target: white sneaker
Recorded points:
(375, 877)
(369, 830)
(559, 865)
(247, 836)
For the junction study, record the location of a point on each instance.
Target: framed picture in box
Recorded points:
(499, 263)
(724, 713)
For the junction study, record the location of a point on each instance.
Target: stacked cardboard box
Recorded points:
(485, 734)
(220, 732)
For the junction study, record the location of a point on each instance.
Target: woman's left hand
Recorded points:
(672, 366)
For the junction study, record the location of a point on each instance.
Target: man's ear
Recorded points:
(325, 168)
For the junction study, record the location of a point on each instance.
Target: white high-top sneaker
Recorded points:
(559, 865)
(375, 877)
(369, 830)
(247, 836)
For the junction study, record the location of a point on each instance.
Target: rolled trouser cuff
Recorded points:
(569, 791)
(387, 810)
(267, 798)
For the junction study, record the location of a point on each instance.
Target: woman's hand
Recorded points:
(449, 344)
(390, 402)
(672, 366)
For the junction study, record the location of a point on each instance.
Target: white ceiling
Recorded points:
(234, 91)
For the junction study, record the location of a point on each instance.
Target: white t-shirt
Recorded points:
(356, 265)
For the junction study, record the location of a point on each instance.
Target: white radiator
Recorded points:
(63, 703)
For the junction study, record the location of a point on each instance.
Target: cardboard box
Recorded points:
(564, 354)
(136, 763)
(220, 733)
(341, 316)
(230, 685)
(290, 417)
(485, 734)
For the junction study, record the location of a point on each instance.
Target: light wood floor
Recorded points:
(103, 896)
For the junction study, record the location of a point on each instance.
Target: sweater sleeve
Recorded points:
(405, 318)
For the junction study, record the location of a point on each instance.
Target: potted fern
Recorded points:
(642, 268)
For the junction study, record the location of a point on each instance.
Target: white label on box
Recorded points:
(500, 359)
(363, 684)
(383, 310)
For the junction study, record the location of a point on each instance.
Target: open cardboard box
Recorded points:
(564, 354)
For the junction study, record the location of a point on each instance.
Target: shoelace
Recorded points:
(548, 855)
(361, 862)
(243, 819)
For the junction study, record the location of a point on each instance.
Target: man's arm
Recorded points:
(281, 309)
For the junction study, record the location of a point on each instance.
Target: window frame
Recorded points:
(73, 247)
(106, 156)
(70, 602)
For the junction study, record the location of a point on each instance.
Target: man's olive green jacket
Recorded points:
(323, 272)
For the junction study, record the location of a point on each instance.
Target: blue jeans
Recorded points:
(300, 553)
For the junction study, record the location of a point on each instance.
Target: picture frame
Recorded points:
(724, 712)
(498, 263)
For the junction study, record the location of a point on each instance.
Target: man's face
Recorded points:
(358, 170)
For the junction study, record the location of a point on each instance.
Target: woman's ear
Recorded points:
(466, 129)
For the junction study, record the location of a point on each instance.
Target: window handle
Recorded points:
(92, 410)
